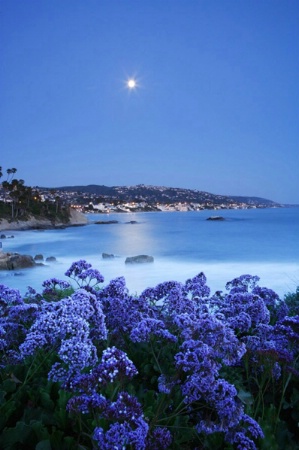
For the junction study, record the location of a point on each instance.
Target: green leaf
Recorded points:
(18, 434)
(43, 445)
(9, 385)
(46, 400)
(245, 397)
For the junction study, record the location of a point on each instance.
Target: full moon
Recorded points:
(131, 83)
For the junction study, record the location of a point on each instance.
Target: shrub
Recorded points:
(91, 366)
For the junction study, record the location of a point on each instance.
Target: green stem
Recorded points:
(281, 400)
(154, 355)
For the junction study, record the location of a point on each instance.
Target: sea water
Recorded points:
(263, 242)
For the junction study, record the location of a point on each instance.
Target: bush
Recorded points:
(85, 366)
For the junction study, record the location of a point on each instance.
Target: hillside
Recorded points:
(162, 195)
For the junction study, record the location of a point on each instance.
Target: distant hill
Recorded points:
(162, 194)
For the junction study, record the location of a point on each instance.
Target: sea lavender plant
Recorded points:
(210, 345)
(65, 326)
(16, 317)
(179, 366)
(125, 423)
(84, 275)
(54, 289)
(123, 312)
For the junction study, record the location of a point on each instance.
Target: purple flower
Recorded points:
(68, 326)
(91, 274)
(166, 384)
(121, 435)
(148, 328)
(9, 297)
(54, 283)
(197, 286)
(77, 268)
(114, 366)
(159, 439)
(126, 407)
(86, 403)
(85, 277)
(16, 317)
(123, 312)
(242, 284)
(241, 441)
(130, 428)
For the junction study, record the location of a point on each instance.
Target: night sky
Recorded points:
(215, 106)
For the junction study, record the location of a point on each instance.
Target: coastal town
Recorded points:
(142, 198)
(126, 199)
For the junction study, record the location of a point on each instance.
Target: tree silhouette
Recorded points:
(10, 173)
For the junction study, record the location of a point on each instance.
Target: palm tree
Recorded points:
(10, 174)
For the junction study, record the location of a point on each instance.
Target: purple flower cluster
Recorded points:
(16, 316)
(123, 311)
(209, 344)
(128, 427)
(83, 274)
(114, 366)
(52, 287)
(148, 328)
(67, 326)
(121, 435)
(174, 342)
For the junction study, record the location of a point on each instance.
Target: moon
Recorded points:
(131, 83)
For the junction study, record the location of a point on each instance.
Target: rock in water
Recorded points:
(139, 259)
(107, 255)
(216, 218)
(12, 261)
(51, 259)
(39, 257)
(106, 222)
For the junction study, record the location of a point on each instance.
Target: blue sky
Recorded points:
(216, 107)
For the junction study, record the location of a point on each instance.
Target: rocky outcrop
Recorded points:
(106, 222)
(108, 256)
(139, 259)
(12, 261)
(51, 259)
(216, 218)
(76, 218)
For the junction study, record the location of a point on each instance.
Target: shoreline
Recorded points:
(77, 218)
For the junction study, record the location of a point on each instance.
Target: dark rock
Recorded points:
(106, 222)
(50, 259)
(139, 259)
(12, 261)
(107, 255)
(132, 222)
(2, 236)
(216, 218)
(39, 257)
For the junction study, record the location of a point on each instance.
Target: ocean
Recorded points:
(263, 242)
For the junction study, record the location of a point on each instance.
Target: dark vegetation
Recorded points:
(19, 201)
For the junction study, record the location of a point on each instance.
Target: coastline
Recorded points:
(77, 218)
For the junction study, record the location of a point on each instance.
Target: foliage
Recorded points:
(292, 300)
(21, 201)
(85, 366)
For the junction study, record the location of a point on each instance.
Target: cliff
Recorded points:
(76, 218)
